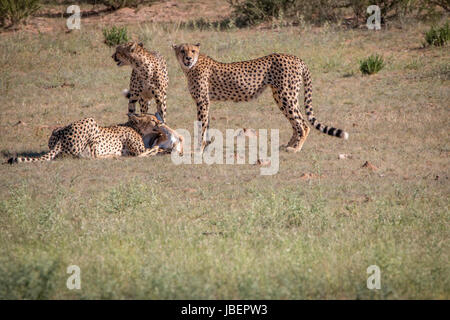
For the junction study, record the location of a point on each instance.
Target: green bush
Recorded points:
(250, 12)
(388, 8)
(115, 36)
(35, 278)
(371, 65)
(117, 4)
(444, 4)
(438, 36)
(15, 11)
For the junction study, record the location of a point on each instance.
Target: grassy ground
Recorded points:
(145, 228)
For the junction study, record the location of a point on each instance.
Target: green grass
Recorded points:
(438, 36)
(372, 64)
(115, 35)
(16, 11)
(145, 228)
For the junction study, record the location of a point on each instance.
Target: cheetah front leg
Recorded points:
(137, 148)
(133, 96)
(202, 116)
(150, 152)
(160, 99)
(144, 103)
(134, 93)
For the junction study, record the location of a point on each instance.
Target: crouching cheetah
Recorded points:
(160, 135)
(210, 80)
(103, 142)
(149, 78)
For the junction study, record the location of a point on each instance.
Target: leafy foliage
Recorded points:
(438, 36)
(115, 35)
(117, 4)
(16, 11)
(372, 64)
(250, 12)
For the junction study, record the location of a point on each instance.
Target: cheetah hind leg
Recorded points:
(283, 107)
(95, 153)
(289, 107)
(298, 141)
(291, 141)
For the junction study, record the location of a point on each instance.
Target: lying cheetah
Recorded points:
(102, 142)
(210, 80)
(149, 78)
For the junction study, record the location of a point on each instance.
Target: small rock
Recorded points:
(308, 176)
(67, 85)
(248, 133)
(20, 123)
(343, 156)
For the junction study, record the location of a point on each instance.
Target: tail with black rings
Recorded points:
(335, 132)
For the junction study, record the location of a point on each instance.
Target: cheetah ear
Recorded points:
(133, 46)
(141, 44)
(174, 46)
(198, 44)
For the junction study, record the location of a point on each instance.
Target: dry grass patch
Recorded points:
(145, 228)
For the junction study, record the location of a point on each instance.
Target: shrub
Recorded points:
(250, 12)
(444, 4)
(115, 36)
(117, 4)
(438, 36)
(33, 279)
(388, 8)
(15, 11)
(371, 65)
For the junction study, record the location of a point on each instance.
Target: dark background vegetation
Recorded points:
(251, 12)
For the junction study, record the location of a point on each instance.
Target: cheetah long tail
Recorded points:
(309, 111)
(46, 157)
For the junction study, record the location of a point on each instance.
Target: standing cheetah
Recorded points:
(210, 80)
(149, 78)
(102, 142)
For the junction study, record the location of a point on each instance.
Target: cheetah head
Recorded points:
(127, 52)
(187, 54)
(144, 123)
